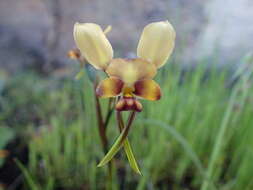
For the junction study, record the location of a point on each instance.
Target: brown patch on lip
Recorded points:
(138, 106)
(128, 104)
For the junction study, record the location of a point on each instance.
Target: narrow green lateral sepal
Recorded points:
(130, 157)
(115, 148)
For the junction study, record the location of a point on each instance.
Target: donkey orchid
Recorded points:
(128, 78)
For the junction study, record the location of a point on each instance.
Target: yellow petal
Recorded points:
(93, 44)
(109, 87)
(147, 89)
(131, 70)
(157, 42)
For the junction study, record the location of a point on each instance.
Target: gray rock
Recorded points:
(39, 32)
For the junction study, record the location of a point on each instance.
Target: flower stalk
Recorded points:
(101, 125)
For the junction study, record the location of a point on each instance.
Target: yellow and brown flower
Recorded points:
(127, 78)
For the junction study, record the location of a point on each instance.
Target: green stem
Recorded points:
(109, 112)
(101, 127)
(129, 123)
(103, 137)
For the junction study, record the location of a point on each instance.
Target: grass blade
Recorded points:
(27, 175)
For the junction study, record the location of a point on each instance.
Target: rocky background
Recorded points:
(37, 33)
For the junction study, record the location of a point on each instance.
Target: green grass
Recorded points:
(199, 135)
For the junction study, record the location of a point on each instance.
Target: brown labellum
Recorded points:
(128, 104)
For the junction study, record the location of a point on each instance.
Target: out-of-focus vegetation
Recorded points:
(6, 135)
(200, 133)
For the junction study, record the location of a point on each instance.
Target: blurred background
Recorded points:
(199, 136)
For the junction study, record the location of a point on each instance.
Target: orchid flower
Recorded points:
(128, 79)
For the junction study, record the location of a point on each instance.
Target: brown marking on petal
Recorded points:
(109, 87)
(147, 89)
